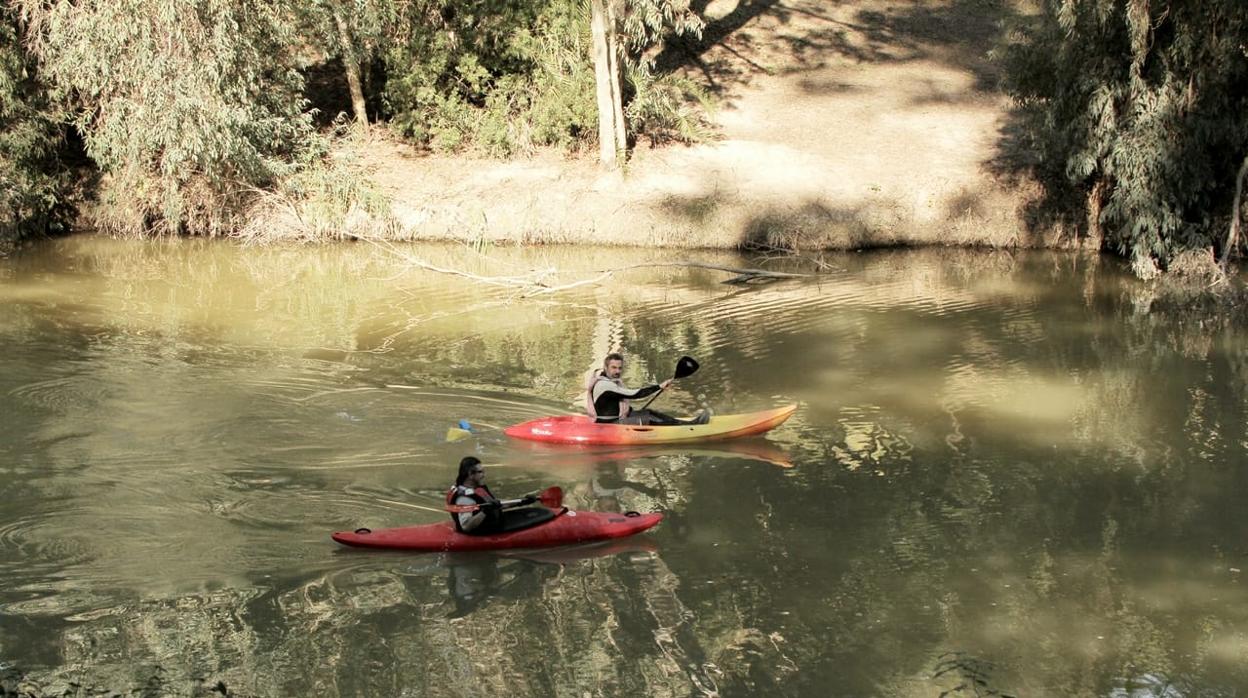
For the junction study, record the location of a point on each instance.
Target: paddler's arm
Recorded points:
(470, 520)
(615, 399)
(640, 392)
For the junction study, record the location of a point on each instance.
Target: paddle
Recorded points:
(465, 429)
(551, 498)
(686, 367)
(461, 431)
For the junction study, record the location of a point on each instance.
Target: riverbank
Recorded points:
(864, 125)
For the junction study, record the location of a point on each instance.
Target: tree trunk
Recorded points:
(1096, 203)
(617, 96)
(610, 119)
(352, 66)
(1232, 237)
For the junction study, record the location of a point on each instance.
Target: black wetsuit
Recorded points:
(608, 394)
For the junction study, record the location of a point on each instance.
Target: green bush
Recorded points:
(329, 198)
(507, 77)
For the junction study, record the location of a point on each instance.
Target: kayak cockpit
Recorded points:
(526, 517)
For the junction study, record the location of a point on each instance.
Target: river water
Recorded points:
(1008, 472)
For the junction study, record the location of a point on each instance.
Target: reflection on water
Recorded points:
(474, 578)
(1008, 471)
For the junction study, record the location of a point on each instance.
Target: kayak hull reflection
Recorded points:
(580, 429)
(561, 457)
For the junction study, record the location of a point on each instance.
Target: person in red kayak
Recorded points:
(607, 400)
(486, 515)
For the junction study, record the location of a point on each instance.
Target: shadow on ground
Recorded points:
(761, 37)
(965, 217)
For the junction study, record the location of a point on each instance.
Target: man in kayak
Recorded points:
(470, 490)
(607, 400)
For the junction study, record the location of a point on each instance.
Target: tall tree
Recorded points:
(611, 135)
(1137, 114)
(623, 31)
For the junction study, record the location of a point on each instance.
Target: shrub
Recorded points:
(1136, 114)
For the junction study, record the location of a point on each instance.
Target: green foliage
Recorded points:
(1145, 102)
(668, 107)
(661, 107)
(189, 107)
(498, 75)
(351, 33)
(369, 25)
(32, 180)
(182, 104)
(643, 23)
(503, 76)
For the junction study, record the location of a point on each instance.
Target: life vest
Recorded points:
(480, 495)
(591, 379)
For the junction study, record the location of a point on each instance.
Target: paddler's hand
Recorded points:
(666, 384)
(529, 499)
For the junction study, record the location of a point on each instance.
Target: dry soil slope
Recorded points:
(841, 125)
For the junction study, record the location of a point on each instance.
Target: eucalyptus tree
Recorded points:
(183, 104)
(622, 32)
(1135, 113)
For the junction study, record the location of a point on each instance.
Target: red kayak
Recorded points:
(567, 527)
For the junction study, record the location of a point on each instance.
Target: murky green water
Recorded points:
(1006, 468)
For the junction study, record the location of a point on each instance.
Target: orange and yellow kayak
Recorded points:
(580, 429)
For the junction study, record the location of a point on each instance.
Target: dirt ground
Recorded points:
(841, 125)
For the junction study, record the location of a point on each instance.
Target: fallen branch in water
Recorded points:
(543, 281)
(743, 276)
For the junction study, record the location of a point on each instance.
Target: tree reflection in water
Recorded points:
(1020, 457)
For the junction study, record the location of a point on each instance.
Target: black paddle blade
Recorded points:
(686, 367)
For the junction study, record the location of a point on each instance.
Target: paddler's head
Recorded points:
(471, 472)
(613, 366)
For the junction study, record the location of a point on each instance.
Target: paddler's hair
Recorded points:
(613, 356)
(465, 468)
